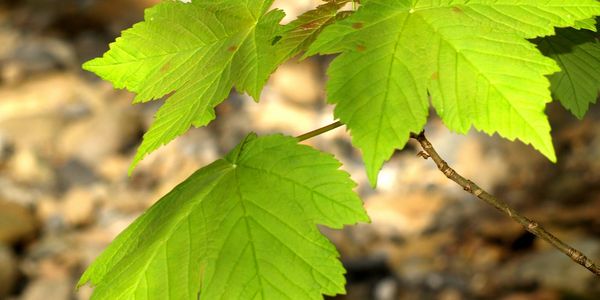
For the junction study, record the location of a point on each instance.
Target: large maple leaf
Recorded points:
(472, 57)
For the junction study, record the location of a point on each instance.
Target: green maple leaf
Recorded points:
(577, 52)
(198, 51)
(471, 56)
(243, 227)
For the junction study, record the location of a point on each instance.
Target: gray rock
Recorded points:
(107, 132)
(552, 268)
(74, 172)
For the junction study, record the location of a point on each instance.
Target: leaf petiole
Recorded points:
(319, 131)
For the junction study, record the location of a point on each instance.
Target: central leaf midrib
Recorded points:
(246, 216)
(385, 103)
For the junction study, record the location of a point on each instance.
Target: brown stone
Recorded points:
(16, 223)
(79, 205)
(8, 271)
(298, 82)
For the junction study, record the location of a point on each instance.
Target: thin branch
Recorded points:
(529, 225)
(319, 131)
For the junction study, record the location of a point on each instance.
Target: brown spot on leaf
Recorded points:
(232, 48)
(457, 9)
(165, 68)
(361, 48)
(310, 25)
(435, 76)
(358, 25)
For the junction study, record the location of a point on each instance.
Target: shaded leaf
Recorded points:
(577, 52)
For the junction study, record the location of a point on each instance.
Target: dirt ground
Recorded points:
(67, 138)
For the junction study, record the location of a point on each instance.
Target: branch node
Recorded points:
(447, 170)
(467, 188)
(588, 264)
(533, 225)
(423, 154)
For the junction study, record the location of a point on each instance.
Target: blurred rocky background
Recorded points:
(67, 138)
